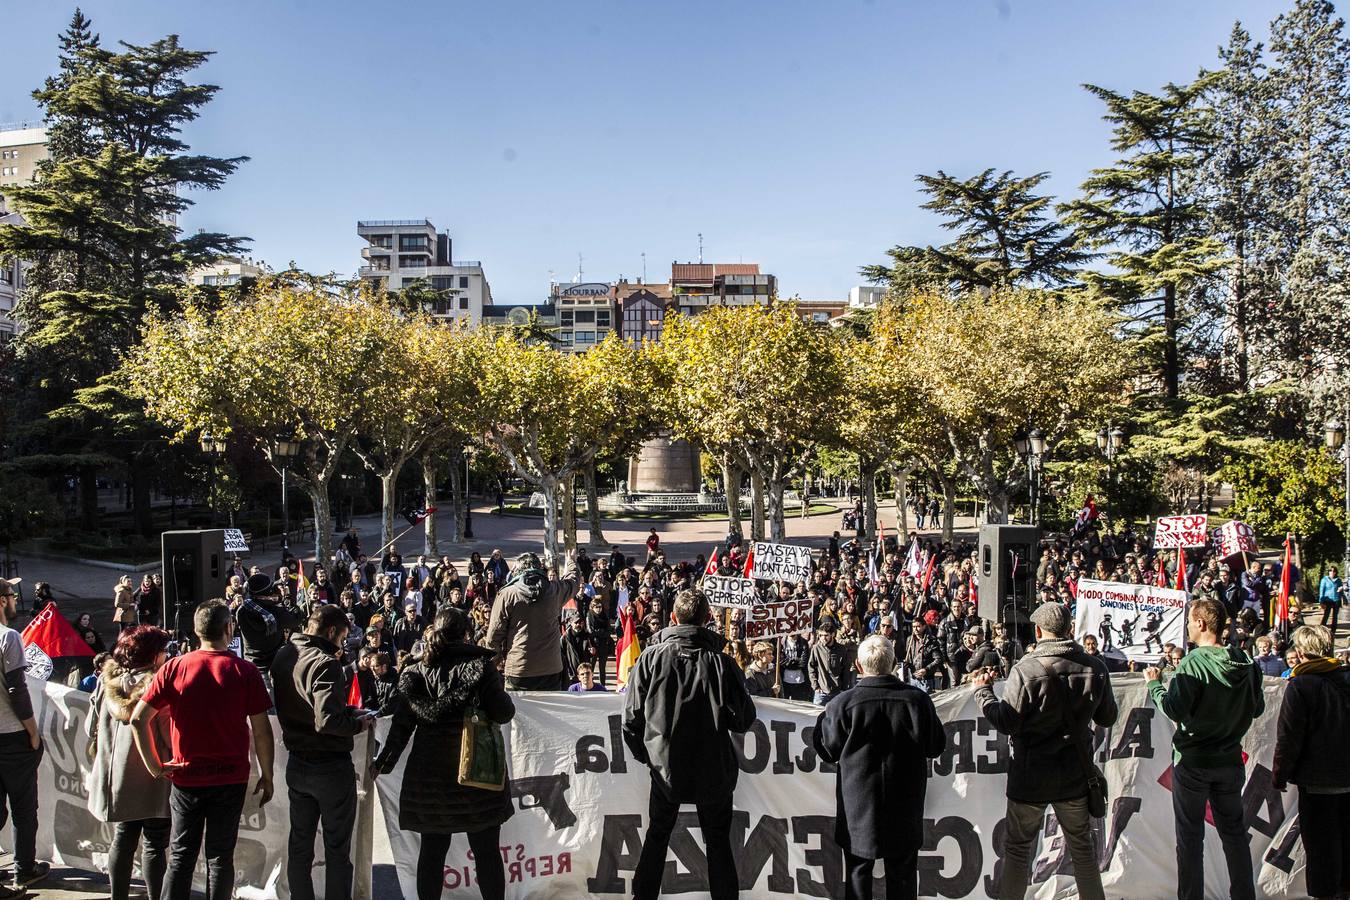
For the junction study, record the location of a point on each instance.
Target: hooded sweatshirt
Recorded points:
(1212, 698)
(526, 621)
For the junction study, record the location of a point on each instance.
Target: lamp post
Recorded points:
(1110, 441)
(285, 449)
(1335, 438)
(1031, 446)
(214, 448)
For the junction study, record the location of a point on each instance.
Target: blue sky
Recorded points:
(788, 133)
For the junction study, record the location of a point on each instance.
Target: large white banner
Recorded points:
(587, 799)
(581, 809)
(1130, 620)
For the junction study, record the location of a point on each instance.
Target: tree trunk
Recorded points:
(995, 506)
(596, 539)
(567, 491)
(869, 498)
(548, 486)
(1171, 357)
(430, 545)
(777, 525)
(457, 498)
(323, 529)
(388, 482)
(901, 476)
(731, 482)
(948, 504)
(756, 505)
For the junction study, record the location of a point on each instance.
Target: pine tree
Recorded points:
(1144, 213)
(1006, 236)
(101, 233)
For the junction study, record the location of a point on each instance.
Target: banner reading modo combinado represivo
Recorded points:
(581, 805)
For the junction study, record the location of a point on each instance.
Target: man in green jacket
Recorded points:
(1212, 698)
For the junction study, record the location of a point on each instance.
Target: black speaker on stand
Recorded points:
(1007, 561)
(194, 570)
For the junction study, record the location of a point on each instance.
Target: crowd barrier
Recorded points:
(581, 806)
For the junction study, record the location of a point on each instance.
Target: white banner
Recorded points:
(1130, 620)
(234, 541)
(780, 562)
(730, 590)
(581, 803)
(1236, 537)
(778, 618)
(1181, 531)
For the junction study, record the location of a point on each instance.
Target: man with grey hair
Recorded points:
(523, 626)
(881, 734)
(1310, 742)
(1051, 700)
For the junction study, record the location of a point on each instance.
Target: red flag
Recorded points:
(711, 568)
(354, 692)
(928, 570)
(49, 636)
(749, 561)
(1282, 602)
(1085, 515)
(627, 650)
(1181, 569)
(975, 591)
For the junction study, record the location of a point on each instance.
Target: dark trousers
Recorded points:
(1192, 786)
(714, 820)
(18, 780)
(1330, 614)
(556, 682)
(797, 691)
(213, 811)
(153, 836)
(1324, 825)
(487, 862)
(902, 876)
(321, 790)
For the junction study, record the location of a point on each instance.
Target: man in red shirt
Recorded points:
(213, 699)
(653, 543)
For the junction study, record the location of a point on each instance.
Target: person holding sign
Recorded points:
(881, 735)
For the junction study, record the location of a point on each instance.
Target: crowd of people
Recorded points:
(331, 648)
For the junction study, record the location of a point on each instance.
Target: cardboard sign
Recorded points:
(1235, 538)
(1130, 620)
(778, 619)
(1181, 531)
(781, 562)
(730, 590)
(234, 541)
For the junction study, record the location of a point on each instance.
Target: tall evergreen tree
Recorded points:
(1006, 236)
(1144, 213)
(101, 231)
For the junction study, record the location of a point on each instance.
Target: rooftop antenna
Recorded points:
(577, 280)
(700, 248)
(644, 267)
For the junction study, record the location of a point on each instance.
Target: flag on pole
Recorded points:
(872, 574)
(1182, 580)
(711, 567)
(49, 636)
(301, 582)
(913, 561)
(975, 591)
(419, 515)
(354, 692)
(749, 561)
(1282, 602)
(627, 650)
(1085, 515)
(928, 570)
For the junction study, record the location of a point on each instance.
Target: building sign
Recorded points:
(592, 289)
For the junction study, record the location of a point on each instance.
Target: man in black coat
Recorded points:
(685, 697)
(881, 734)
(1310, 742)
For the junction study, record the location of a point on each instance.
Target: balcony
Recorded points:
(392, 223)
(373, 272)
(467, 263)
(374, 251)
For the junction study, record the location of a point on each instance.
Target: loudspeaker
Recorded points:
(194, 570)
(1007, 561)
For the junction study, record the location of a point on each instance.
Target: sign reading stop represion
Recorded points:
(729, 591)
(778, 618)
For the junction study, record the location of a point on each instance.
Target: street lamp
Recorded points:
(1335, 438)
(1110, 441)
(214, 448)
(284, 449)
(1031, 445)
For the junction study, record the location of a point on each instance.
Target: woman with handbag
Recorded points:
(121, 791)
(453, 700)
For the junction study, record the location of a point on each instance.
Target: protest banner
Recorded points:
(580, 808)
(1235, 538)
(1130, 620)
(780, 562)
(234, 541)
(1181, 531)
(724, 590)
(778, 618)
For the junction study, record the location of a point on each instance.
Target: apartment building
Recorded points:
(398, 252)
(227, 270)
(585, 313)
(696, 286)
(641, 309)
(22, 147)
(11, 283)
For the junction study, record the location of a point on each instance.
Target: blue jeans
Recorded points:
(1221, 786)
(213, 811)
(321, 791)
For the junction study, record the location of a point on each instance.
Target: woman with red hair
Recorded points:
(121, 791)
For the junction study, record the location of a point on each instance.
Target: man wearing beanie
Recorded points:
(1051, 700)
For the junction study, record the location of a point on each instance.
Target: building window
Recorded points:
(412, 243)
(586, 316)
(442, 282)
(464, 281)
(585, 337)
(463, 302)
(385, 241)
(566, 317)
(412, 262)
(602, 318)
(565, 337)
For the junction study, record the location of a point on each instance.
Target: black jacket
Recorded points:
(1314, 730)
(985, 655)
(262, 637)
(882, 734)
(1050, 701)
(309, 689)
(830, 668)
(434, 697)
(685, 697)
